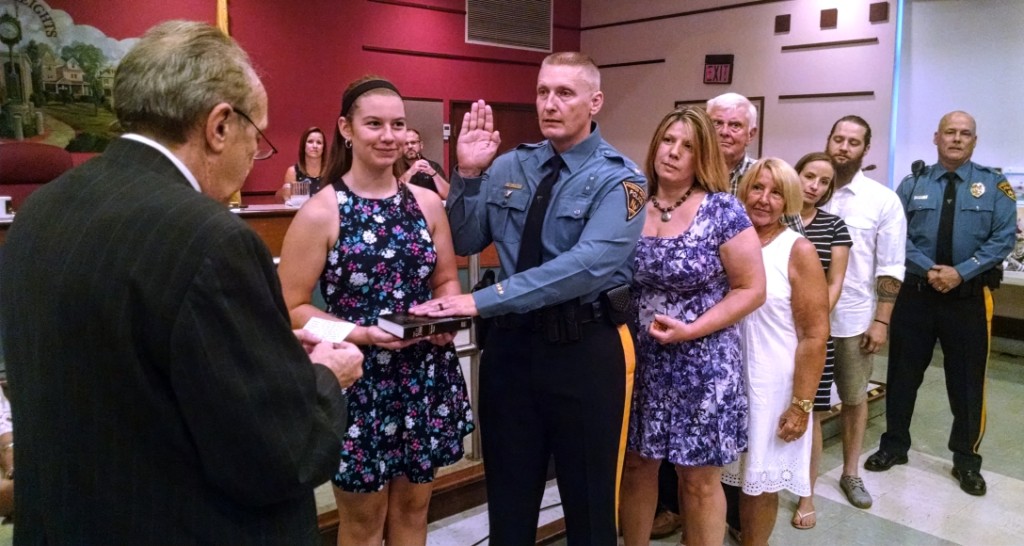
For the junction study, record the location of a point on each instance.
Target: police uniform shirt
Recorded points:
(984, 226)
(590, 229)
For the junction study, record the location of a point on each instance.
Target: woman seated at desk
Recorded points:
(310, 164)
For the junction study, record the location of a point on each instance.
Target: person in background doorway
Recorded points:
(420, 171)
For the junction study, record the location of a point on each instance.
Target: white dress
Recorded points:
(768, 343)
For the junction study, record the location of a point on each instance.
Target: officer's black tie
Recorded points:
(530, 247)
(944, 242)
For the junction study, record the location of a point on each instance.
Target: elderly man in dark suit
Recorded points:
(159, 394)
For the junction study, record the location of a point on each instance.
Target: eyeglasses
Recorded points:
(262, 152)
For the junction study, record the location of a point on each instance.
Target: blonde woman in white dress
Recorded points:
(783, 347)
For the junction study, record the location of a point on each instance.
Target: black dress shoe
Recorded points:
(883, 460)
(971, 481)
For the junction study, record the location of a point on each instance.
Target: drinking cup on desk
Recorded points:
(300, 193)
(5, 205)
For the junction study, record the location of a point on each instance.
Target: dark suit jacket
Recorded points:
(159, 394)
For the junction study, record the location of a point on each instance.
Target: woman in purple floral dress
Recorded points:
(697, 272)
(379, 246)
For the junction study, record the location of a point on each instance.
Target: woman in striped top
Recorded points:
(832, 241)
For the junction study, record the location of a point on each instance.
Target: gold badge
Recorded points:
(1006, 188)
(977, 189)
(513, 186)
(636, 198)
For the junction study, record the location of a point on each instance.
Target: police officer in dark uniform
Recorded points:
(961, 223)
(556, 373)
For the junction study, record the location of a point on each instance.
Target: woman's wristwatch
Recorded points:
(805, 405)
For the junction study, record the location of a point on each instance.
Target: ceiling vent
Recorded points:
(520, 24)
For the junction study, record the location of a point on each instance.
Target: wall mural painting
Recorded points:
(58, 78)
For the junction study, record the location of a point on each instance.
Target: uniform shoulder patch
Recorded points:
(636, 198)
(1006, 188)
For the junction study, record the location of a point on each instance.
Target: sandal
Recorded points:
(798, 520)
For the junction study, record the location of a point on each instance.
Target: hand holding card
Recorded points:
(329, 330)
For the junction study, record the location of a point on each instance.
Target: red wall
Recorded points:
(309, 50)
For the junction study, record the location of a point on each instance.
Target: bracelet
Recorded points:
(881, 322)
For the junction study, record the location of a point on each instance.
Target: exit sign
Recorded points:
(718, 68)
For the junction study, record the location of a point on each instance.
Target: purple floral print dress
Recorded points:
(409, 411)
(689, 398)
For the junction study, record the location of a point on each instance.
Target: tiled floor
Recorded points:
(915, 504)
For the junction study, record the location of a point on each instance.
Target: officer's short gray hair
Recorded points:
(728, 101)
(577, 59)
(167, 84)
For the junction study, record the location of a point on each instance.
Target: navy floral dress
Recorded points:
(409, 411)
(689, 398)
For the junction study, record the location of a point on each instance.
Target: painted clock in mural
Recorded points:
(10, 30)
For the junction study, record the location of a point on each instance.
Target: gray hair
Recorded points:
(176, 74)
(728, 101)
(580, 60)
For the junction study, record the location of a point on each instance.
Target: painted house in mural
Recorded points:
(60, 77)
(106, 78)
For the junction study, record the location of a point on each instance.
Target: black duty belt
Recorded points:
(561, 323)
(581, 313)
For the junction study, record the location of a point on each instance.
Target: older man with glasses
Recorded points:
(159, 392)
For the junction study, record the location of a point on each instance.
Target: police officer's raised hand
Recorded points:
(478, 141)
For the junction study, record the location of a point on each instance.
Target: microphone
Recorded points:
(917, 168)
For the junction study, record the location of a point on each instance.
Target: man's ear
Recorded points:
(216, 127)
(596, 102)
(753, 134)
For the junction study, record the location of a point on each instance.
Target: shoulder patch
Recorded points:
(1006, 188)
(636, 198)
